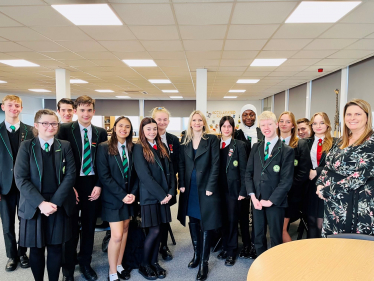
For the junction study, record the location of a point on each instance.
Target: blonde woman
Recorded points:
(200, 199)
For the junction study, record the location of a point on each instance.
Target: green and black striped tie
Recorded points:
(267, 150)
(87, 155)
(46, 147)
(124, 161)
(13, 128)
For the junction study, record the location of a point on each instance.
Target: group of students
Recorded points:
(64, 173)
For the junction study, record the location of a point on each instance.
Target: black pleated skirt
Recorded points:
(124, 213)
(155, 214)
(313, 204)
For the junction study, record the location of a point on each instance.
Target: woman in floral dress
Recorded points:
(347, 181)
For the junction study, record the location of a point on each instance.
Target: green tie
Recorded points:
(13, 128)
(124, 161)
(249, 139)
(87, 155)
(46, 147)
(267, 150)
(284, 141)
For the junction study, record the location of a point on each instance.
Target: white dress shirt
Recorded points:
(287, 140)
(89, 134)
(313, 151)
(228, 141)
(17, 125)
(272, 144)
(50, 142)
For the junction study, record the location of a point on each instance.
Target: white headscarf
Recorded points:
(249, 131)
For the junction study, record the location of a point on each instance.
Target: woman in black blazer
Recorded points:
(319, 145)
(287, 131)
(120, 185)
(200, 198)
(162, 115)
(45, 176)
(156, 188)
(233, 162)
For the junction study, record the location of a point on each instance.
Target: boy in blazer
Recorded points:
(12, 133)
(65, 108)
(84, 139)
(268, 179)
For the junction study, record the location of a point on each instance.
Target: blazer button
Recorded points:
(262, 173)
(11, 170)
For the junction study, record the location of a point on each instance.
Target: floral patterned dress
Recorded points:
(348, 180)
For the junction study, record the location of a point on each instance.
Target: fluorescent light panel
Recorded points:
(247, 81)
(159, 81)
(140, 63)
(123, 97)
(230, 97)
(88, 14)
(170, 91)
(77, 81)
(176, 97)
(267, 62)
(321, 11)
(3, 82)
(104, 91)
(237, 91)
(18, 63)
(40, 90)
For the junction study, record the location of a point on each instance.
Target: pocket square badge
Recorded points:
(276, 168)
(235, 163)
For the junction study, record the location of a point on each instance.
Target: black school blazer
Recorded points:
(174, 147)
(29, 173)
(270, 180)
(154, 183)
(110, 172)
(6, 155)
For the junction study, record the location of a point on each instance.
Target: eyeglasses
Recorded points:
(46, 124)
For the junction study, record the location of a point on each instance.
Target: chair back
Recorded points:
(352, 236)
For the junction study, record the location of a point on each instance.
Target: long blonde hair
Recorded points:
(365, 106)
(294, 139)
(189, 133)
(327, 142)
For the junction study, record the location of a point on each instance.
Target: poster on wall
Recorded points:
(214, 116)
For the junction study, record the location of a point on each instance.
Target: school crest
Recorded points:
(276, 168)
(235, 163)
(295, 162)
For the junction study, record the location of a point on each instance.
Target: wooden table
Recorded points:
(316, 259)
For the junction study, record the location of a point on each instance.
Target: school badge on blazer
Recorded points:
(235, 163)
(295, 162)
(276, 168)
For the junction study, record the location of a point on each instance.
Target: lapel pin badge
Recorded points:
(235, 163)
(276, 168)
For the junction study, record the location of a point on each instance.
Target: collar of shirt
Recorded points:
(163, 139)
(152, 144)
(228, 141)
(272, 143)
(17, 125)
(287, 140)
(316, 138)
(120, 150)
(89, 128)
(42, 142)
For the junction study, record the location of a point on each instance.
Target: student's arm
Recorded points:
(181, 167)
(212, 184)
(172, 179)
(249, 171)
(102, 138)
(135, 188)
(242, 168)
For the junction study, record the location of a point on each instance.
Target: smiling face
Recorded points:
(319, 126)
(11, 108)
(122, 129)
(268, 128)
(249, 118)
(303, 130)
(162, 119)
(285, 124)
(197, 123)
(85, 112)
(66, 112)
(46, 133)
(355, 118)
(150, 131)
(227, 129)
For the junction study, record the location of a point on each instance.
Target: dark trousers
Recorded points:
(37, 262)
(70, 248)
(272, 216)
(230, 225)
(164, 234)
(8, 208)
(244, 222)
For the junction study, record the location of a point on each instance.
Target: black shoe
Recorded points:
(230, 261)
(68, 278)
(125, 274)
(222, 255)
(88, 272)
(160, 272)
(252, 252)
(166, 254)
(203, 267)
(244, 253)
(11, 265)
(147, 272)
(24, 261)
(195, 237)
(203, 271)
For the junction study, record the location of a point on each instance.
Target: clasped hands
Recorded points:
(258, 204)
(207, 193)
(47, 208)
(129, 199)
(166, 199)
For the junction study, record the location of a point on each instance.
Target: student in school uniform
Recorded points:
(268, 179)
(84, 139)
(156, 189)
(200, 197)
(65, 108)
(162, 117)
(303, 128)
(45, 175)
(12, 132)
(116, 171)
(319, 144)
(233, 162)
(287, 131)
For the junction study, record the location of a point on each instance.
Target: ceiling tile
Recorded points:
(62, 55)
(261, 68)
(62, 32)
(43, 46)
(167, 55)
(329, 44)
(352, 54)
(318, 54)
(232, 68)
(97, 55)
(363, 44)
(166, 46)
(361, 14)
(349, 31)
(108, 32)
(302, 62)
(122, 46)
(108, 62)
(171, 63)
(282, 73)
(244, 45)
(203, 55)
(301, 30)
(28, 55)
(12, 47)
(240, 62)
(314, 68)
(286, 44)
(295, 68)
(239, 54)
(81, 46)
(20, 34)
(275, 54)
(203, 31)
(333, 62)
(21, 2)
(254, 31)
(155, 32)
(203, 45)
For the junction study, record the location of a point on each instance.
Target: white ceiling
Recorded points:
(224, 36)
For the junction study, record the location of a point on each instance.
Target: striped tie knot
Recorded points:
(13, 128)
(124, 161)
(46, 147)
(284, 141)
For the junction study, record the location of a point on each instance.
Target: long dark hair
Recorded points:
(231, 121)
(147, 152)
(113, 141)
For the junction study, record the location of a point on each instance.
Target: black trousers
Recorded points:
(37, 262)
(272, 216)
(8, 207)
(230, 225)
(244, 222)
(70, 248)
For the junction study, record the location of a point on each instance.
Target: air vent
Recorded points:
(144, 93)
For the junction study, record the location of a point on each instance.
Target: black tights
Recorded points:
(164, 234)
(37, 262)
(314, 227)
(151, 245)
(193, 220)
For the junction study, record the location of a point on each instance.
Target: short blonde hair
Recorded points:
(12, 98)
(160, 109)
(267, 115)
(189, 132)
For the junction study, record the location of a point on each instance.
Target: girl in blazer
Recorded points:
(287, 131)
(156, 188)
(120, 185)
(319, 145)
(45, 176)
(233, 162)
(162, 115)
(200, 198)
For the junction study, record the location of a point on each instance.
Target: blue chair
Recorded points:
(352, 236)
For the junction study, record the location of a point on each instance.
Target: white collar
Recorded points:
(89, 127)
(273, 141)
(17, 125)
(42, 142)
(152, 144)
(316, 138)
(228, 141)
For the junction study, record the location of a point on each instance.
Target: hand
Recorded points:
(129, 199)
(166, 199)
(241, 197)
(76, 196)
(182, 189)
(312, 174)
(256, 203)
(95, 193)
(208, 193)
(266, 203)
(47, 208)
(319, 193)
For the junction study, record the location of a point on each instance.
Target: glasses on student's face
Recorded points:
(46, 124)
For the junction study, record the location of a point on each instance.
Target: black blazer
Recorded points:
(71, 133)
(110, 172)
(239, 135)
(6, 155)
(174, 147)
(154, 183)
(270, 180)
(29, 173)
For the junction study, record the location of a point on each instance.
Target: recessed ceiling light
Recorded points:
(139, 63)
(40, 90)
(3, 82)
(104, 91)
(170, 91)
(77, 81)
(18, 63)
(267, 62)
(321, 11)
(230, 97)
(176, 97)
(237, 91)
(88, 14)
(247, 81)
(123, 97)
(159, 81)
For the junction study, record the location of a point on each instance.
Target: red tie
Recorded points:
(155, 147)
(223, 145)
(319, 151)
